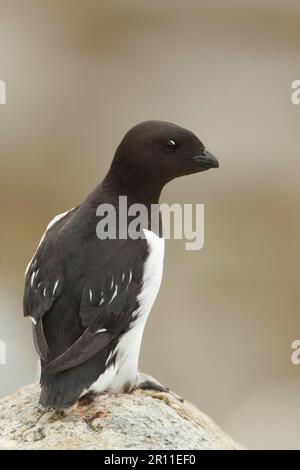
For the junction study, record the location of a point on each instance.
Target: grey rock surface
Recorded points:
(141, 420)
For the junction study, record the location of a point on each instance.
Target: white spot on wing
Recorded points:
(31, 263)
(91, 295)
(102, 330)
(114, 294)
(44, 292)
(33, 320)
(102, 299)
(55, 286)
(130, 277)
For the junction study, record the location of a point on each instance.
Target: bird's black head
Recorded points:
(155, 152)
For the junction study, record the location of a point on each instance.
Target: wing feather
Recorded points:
(107, 295)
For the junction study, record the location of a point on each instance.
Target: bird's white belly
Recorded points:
(123, 374)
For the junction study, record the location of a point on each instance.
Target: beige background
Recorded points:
(78, 75)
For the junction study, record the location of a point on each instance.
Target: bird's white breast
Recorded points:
(125, 369)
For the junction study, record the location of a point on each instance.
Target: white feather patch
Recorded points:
(114, 294)
(102, 330)
(125, 369)
(55, 286)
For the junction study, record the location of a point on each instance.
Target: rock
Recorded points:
(141, 420)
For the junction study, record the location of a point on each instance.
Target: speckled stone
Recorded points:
(141, 420)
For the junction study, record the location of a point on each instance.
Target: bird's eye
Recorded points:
(171, 145)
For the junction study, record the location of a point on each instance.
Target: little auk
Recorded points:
(89, 298)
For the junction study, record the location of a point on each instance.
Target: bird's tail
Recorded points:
(59, 390)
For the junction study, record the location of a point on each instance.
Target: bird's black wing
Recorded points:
(108, 301)
(108, 306)
(44, 280)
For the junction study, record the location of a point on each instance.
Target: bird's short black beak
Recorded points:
(206, 160)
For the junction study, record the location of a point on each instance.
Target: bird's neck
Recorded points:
(137, 191)
(144, 198)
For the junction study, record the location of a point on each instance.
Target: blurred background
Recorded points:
(79, 74)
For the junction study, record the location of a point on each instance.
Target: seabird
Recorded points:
(89, 298)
